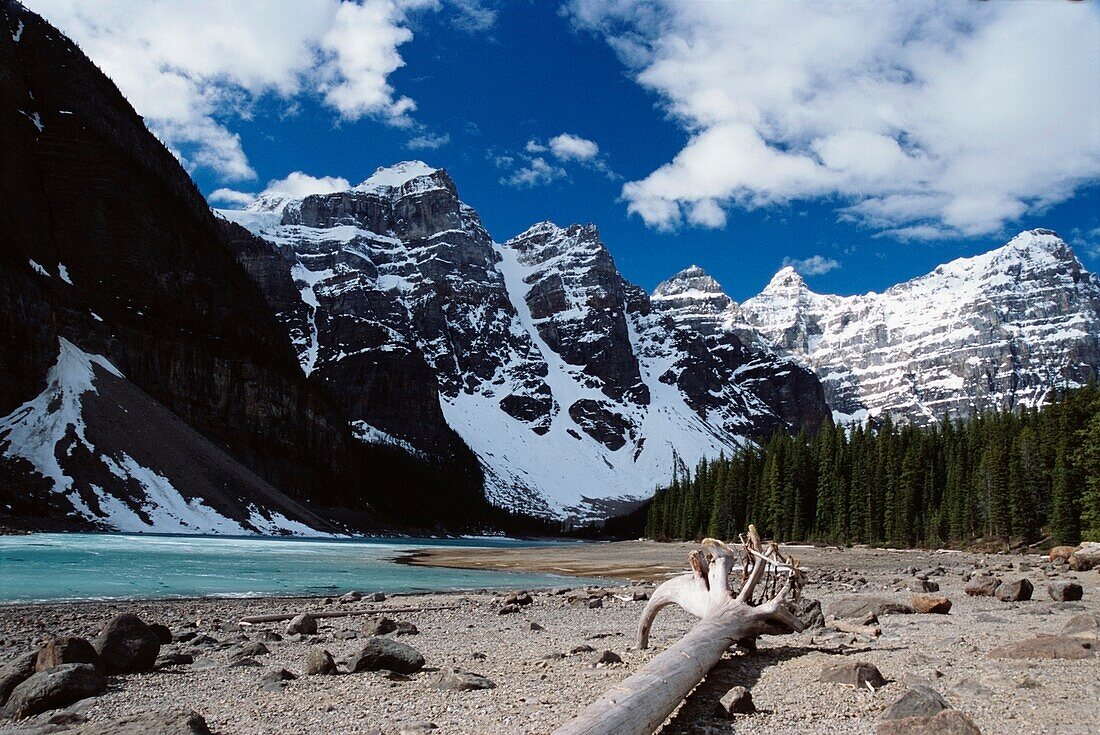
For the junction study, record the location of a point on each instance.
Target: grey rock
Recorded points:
(1065, 591)
(54, 688)
(1016, 591)
(508, 610)
(352, 596)
(65, 650)
(15, 672)
(737, 701)
(920, 701)
(853, 673)
(1046, 647)
(165, 660)
(858, 607)
(126, 645)
(161, 633)
(247, 650)
(809, 612)
(583, 648)
(947, 722)
(319, 662)
(376, 597)
(242, 662)
(535, 627)
(378, 626)
(406, 628)
(172, 722)
(416, 728)
(605, 658)
(1086, 625)
(453, 679)
(303, 624)
(275, 680)
(595, 602)
(268, 636)
(982, 586)
(384, 653)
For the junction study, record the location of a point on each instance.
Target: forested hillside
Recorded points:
(1000, 477)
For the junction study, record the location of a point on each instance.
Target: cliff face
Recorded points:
(109, 247)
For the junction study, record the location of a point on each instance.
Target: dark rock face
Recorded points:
(58, 651)
(857, 674)
(53, 688)
(15, 672)
(126, 645)
(173, 722)
(131, 266)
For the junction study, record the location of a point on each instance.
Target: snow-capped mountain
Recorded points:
(1001, 329)
(577, 391)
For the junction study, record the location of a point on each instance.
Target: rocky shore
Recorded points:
(965, 643)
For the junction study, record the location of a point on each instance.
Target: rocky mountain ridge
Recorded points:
(577, 391)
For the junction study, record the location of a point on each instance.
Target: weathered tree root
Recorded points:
(639, 704)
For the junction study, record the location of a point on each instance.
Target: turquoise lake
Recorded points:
(47, 566)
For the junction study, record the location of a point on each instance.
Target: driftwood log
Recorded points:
(281, 617)
(639, 704)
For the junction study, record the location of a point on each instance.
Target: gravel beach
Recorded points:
(541, 657)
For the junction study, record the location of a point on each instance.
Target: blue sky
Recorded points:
(881, 143)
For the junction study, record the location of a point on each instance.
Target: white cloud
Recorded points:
(191, 68)
(473, 16)
(815, 265)
(569, 147)
(536, 172)
(428, 141)
(298, 185)
(924, 120)
(533, 146)
(230, 196)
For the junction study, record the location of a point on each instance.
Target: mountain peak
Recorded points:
(786, 279)
(691, 282)
(395, 176)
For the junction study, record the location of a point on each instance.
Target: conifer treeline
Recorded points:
(1001, 476)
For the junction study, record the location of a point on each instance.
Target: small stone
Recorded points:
(982, 586)
(920, 701)
(737, 701)
(936, 604)
(595, 603)
(923, 585)
(353, 596)
(406, 628)
(853, 673)
(508, 610)
(274, 680)
(1017, 591)
(857, 607)
(416, 728)
(171, 722)
(582, 648)
(65, 650)
(319, 662)
(247, 650)
(535, 627)
(947, 722)
(54, 688)
(378, 626)
(303, 624)
(520, 598)
(376, 597)
(639, 596)
(1065, 591)
(240, 663)
(457, 680)
(174, 659)
(605, 657)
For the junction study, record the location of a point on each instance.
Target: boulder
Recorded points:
(982, 586)
(737, 701)
(937, 604)
(457, 680)
(920, 701)
(1048, 647)
(853, 673)
(172, 722)
(383, 653)
(15, 672)
(1017, 591)
(54, 688)
(406, 628)
(1085, 625)
(378, 626)
(808, 611)
(319, 662)
(127, 645)
(520, 598)
(1062, 552)
(858, 607)
(1085, 558)
(1065, 591)
(65, 650)
(247, 650)
(947, 722)
(595, 602)
(304, 624)
(508, 610)
(923, 585)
